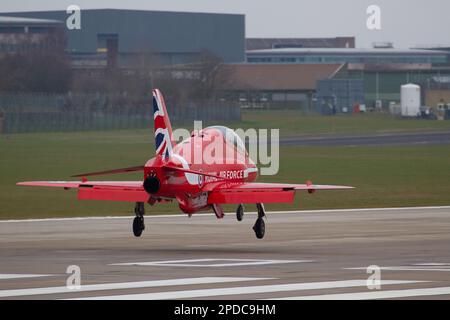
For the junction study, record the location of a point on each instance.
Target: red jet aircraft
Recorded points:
(196, 186)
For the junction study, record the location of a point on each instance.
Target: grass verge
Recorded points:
(383, 176)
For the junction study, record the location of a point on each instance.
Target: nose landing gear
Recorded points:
(138, 222)
(260, 226)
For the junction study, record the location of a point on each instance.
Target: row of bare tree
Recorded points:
(49, 71)
(35, 71)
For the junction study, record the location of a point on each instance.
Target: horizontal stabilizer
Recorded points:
(127, 191)
(253, 192)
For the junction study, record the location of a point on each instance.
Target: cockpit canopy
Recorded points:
(230, 137)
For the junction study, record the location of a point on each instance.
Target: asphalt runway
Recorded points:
(305, 255)
(390, 139)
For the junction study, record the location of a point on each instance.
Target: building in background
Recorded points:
(130, 38)
(18, 35)
(444, 48)
(277, 43)
(169, 49)
(382, 82)
(276, 85)
(436, 95)
(380, 71)
(345, 55)
(106, 69)
(339, 96)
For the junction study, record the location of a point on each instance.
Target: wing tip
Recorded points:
(26, 183)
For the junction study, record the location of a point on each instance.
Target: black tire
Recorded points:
(138, 226)
(259, 228)
(240, 212)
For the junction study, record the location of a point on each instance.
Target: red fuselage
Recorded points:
(215, 151)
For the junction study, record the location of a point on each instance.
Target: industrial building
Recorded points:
(379, 71)
(276, 43)
(276, 85)
(307, 73)
(345, 55)
(115, 37)
(382, 82)
(435, 94)
(339, 95)
(22, 34)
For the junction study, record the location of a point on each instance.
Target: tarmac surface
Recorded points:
(389, 139)
(304, 255)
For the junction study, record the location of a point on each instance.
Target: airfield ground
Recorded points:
(305, 255)
(411, 172)
(294, 123)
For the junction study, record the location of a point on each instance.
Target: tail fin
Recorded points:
(163, 129)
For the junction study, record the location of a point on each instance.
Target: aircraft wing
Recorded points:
(262, 192)
(133, 191)
(127, 191)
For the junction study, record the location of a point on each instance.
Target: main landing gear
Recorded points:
(240, 212)
(260, 226)
(138, 222)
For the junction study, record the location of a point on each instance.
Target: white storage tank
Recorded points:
(410, 96)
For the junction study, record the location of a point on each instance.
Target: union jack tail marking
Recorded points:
(163, 128)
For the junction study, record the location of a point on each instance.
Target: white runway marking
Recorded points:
(124, 285)
(202, 263)
(434, 264)
(391, 294)
(187, 294)
(5, 276)
(228, 213)
(424, 267)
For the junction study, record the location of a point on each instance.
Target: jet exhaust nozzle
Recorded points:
(152, 185)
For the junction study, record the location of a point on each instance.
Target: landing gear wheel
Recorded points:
(138, 226)
(138, 222)
(240, 212)
(259, 228)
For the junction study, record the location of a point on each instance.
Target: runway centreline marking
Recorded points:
(187, 294)
(125, 285)
(202, 264)
(178, 215)
(390, 294)
(7, 276)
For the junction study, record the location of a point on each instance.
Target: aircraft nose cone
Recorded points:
(152, 185)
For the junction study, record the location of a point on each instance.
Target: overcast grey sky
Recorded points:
(407, 23)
